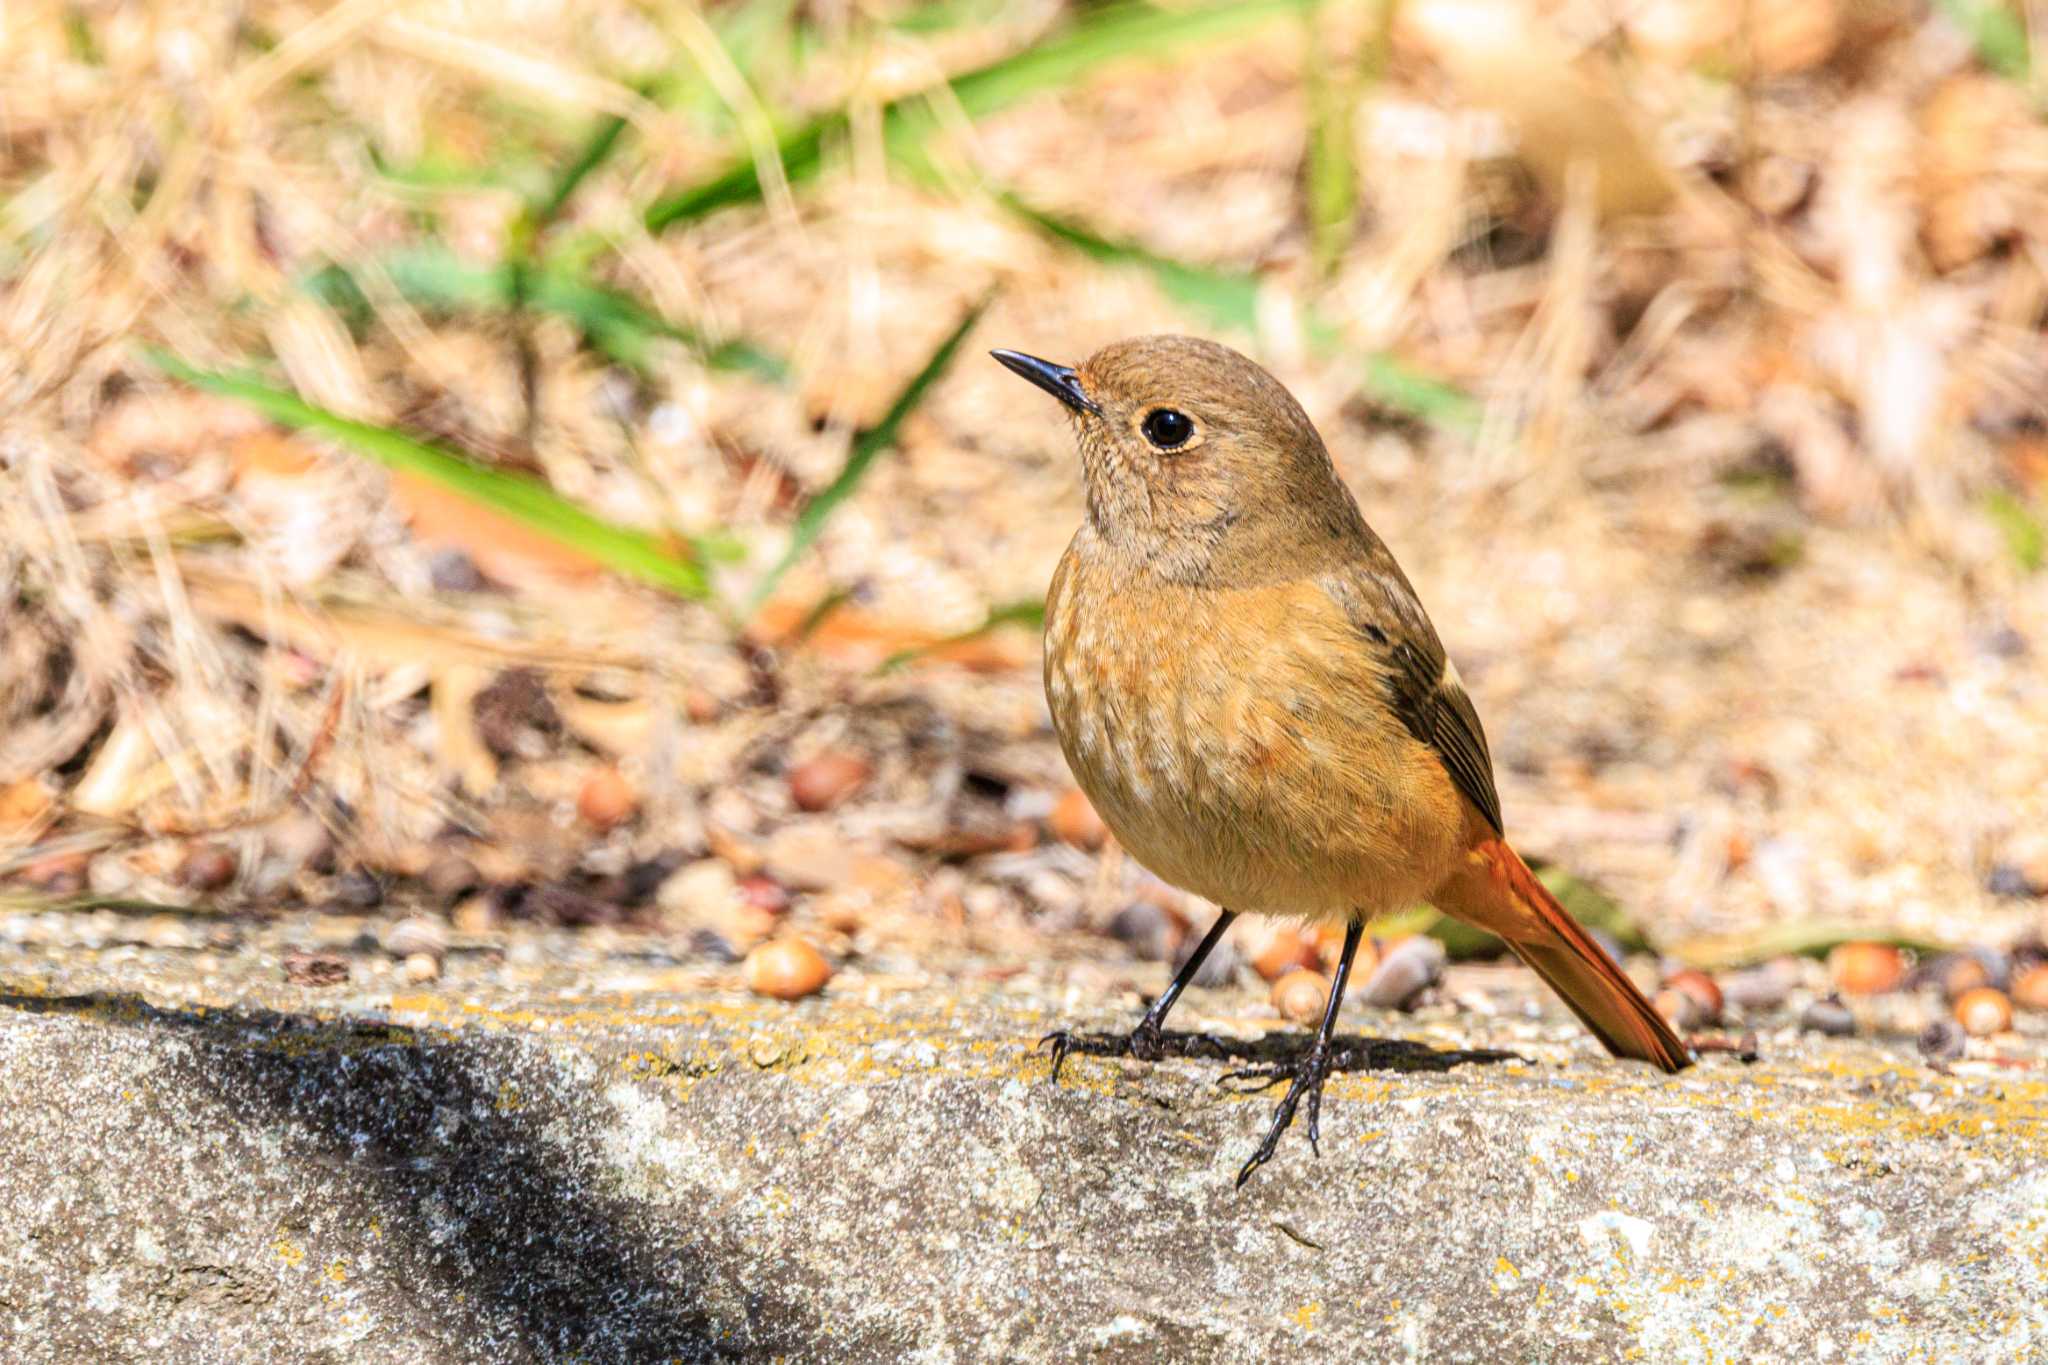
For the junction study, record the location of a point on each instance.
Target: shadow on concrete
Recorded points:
(1354, 1053)
(484, 1202)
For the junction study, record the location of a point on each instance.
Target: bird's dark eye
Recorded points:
(1167, 428)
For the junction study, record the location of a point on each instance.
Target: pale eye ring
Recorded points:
(1168, 428)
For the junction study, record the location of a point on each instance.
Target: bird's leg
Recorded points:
(1146, 1042)
(1308, 1071)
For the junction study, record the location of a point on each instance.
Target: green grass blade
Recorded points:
(603, 140)
(1996, 32)
(800, 153)
(948, 15)
(1331, 182)
(631, 552)
(1230, 299)
(1406, 389)
(434, 278)
(1030, 612)
(1119, 31)
(1334, 95)
(823, 610)
(1125, 30)
(810, 523)
(1225, 298)
(2025, 537)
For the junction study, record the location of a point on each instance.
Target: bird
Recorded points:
(1247, 687)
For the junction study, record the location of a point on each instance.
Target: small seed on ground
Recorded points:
(823, 782)
(607, 799)
(1701, 989)
(1679, 1008)
(414, 935)
(1829, 1016)
(1984, 1011)
(786, 969)
(1300, 995)
(1866, 968)
(1284, 952)
(1074, 821)
(207, 867)
(2030, 987)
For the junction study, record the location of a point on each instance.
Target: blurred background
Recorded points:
(474, 471)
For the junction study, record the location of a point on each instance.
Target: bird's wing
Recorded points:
(1421, 685)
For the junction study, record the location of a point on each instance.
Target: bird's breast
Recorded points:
(1236, 744)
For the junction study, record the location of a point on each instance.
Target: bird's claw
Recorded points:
(1307, 1072)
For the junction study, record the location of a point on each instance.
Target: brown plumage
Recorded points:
(1248, 688)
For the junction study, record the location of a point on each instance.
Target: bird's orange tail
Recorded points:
(1499, 893)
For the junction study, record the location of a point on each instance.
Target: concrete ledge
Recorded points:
(699, 1175)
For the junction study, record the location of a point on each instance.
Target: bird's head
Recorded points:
(1199, 464)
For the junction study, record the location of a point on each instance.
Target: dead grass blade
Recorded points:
(810, 523)
(628, 551)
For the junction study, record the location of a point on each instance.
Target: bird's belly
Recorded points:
(1236, 770)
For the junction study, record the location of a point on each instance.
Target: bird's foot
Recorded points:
(1307, 1073)
(1146, 1043)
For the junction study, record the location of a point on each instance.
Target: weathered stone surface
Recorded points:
(645, 1168)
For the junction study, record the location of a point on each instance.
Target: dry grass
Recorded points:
(1738, 555)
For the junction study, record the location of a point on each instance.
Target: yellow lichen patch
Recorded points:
(1304, 1317)
(288, 1251)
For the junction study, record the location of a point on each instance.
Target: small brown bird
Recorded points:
(1252, 695)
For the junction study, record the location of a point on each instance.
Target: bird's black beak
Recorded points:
(1058, 380)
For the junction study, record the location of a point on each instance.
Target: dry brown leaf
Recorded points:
(511, 552)
(387, 635)
(462, 750)
(25, 809)
(1782, 37)
(171, 425)
(617, 728)
(126, 772)
(292, 498)
(1502, 57)
(1965, 130)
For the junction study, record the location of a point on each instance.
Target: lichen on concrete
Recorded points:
(496, 1172)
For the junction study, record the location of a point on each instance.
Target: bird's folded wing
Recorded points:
(1420, 683)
